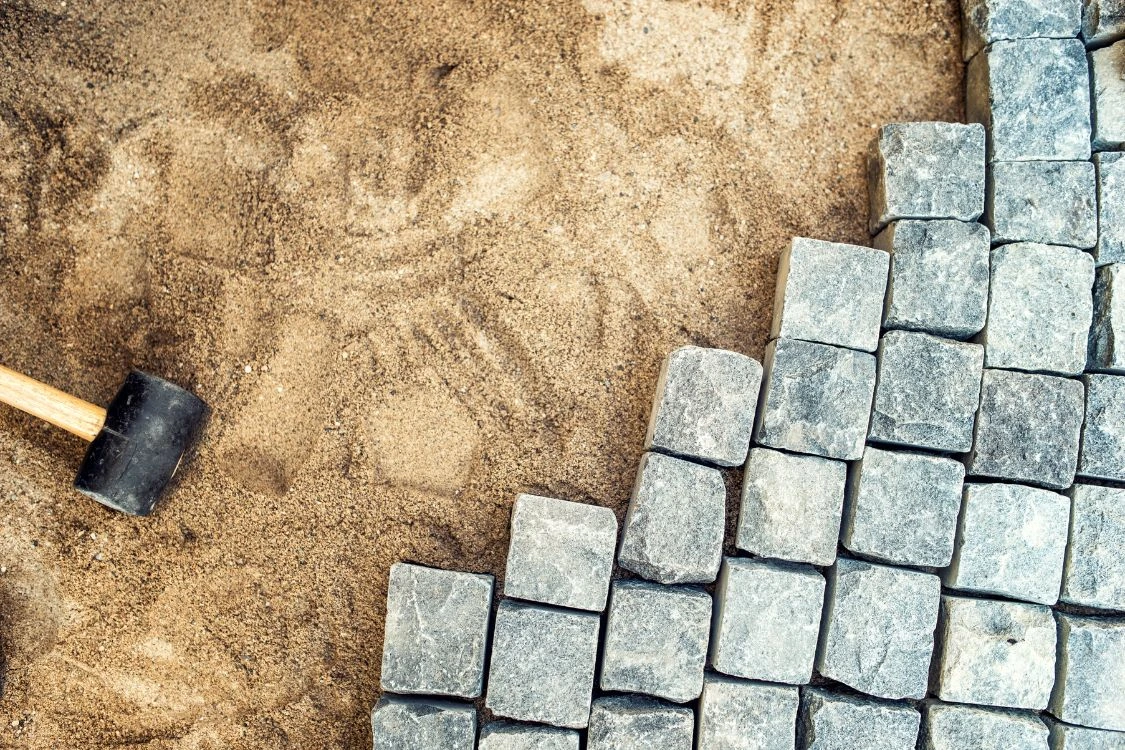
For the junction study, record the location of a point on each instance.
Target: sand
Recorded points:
(419, 256)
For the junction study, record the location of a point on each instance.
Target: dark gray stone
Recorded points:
(632, 723)
(1107, 70)
(1051, 202)
(939, 276)
(830, 721)
(1067, 737)
(1091, 672)
(988, 21)
(1103, 436)
(1110, 168)
(1103, 21)
(1108, 326)
(1094, 575)
(507, 735)
(817, 399)
(420, 724)
(677, 516)
(743, 715)
(948, 727)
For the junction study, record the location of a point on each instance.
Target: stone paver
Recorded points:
(1094, 575)
(951, 727)
(421, 724)
(1103, 436)
(1110, 171)
(1106, 353)
(830, 721)
(1108, 81)
(1049, 202)
(1091, 672)
(632, 723)
(508, 735)
(1067, 737)
(742, 715)
(1103, 21)
(988, 21)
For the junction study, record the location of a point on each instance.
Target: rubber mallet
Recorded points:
(136, 444)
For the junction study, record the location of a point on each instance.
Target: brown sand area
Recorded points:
(419, 256)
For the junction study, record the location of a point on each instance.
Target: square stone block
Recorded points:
(791, 506)
(1033, 96)
(632, 723)
(675, 524)
(542, 667)
(1094, 575)
(560, 552)
(830, 721)
(742, 715)
(986, 21)
(878, 633)
(704, 405)
(1091, 672)
(1103, 22)
(1110, 170)
(927, 392)
(1051, 202)
(996, 653)
(656, 640)
(1028, 428)
(421, 724)
(939, 276)
(902, 507)
(508, 735)
(926, 170)
(1011, 541)
(1107, 68)
(436, 631)
(1108, 327)
(1103, 436)
(1067, 737)
(817, 399)
(948, 727)
(767, 620)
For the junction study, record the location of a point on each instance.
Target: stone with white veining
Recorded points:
(988, 21)
(1103, 436)
(636, 723)
(830, 721)
(743, 715)
(953, 727)
(1107, 331)
(1049, 202)
(1110, 169)
(1103, 21)
(1094, 575)
(1091, 672)
(509, 735)
(422, 724)
(1107, 69)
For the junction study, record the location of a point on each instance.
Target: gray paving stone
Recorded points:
(767, 619)
(878, 634)
(988, 21)
(436, 631)
(939, 276)
(1011, 541)
(675, 524)
(926, 170)
(656, 640)
(1051, 202)
(1103, 21)
(817, 399)
(1103, 436)
(542, 667)
(421, 724)
(1033, 95)
(507, 735)
(1028, 428)
(996, 653)
(560, 552)
(1107, 70)
(742, 715)
(949, 727)
(791, 506)
(1067, 737)
(1110, 169)
(830, 721)
(704, 405)
(632, 723)
(902, 507)
(1108, 327)
(1094, 575)
(927, 392)
(1091, 672)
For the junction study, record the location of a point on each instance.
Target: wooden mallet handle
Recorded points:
(51, 405)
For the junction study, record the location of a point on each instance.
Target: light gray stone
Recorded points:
(830, 293)
(704, 405)
(675, 524)
(817, 399)
(939, 276)
(1033, 96)
(1110, 169)
(420, 724)
(542, 667)
(791, 506)
(1091, 672)
(988, 21)
(1103, 436)
(1028, 428)
(767, 620)
(632, 723)
(1094, 575)
(902, 507)
(1103, 21)
(1050, 202)
(1011, 541)
(996, 653)
(927, 392)
(1067, 737)
(507, 735)
(656, 640)
(830, 721)
(560, 552)
(878, 634)
(1107, 70)
(742, 715)
(436, 631)
(1108, 327)
(947, 727)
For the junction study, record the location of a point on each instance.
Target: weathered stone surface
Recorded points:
(830, 721)
(1067, 737)
(632, 723)
(674, 528)
(767, 620)
(830, 293)
(742, 715)
(436, 631)
(879, 628)
(1103, 21)
(902, 508)
(817, 399)
(1107, 68)
(1033, 95)
(1094, 575)
(791, 506)
(946, 727)
(996, 653)
(656, 640)
(1110, 170)
(1107, 353)
(939, 276)
(704, 405)
(420, 724)
(988, 21)
(1028, 428)
(507, 735)
(1103, 436)
(1011, 541)
(560, 552)
(1051, 202)
(1091, 672)
(542, 667)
